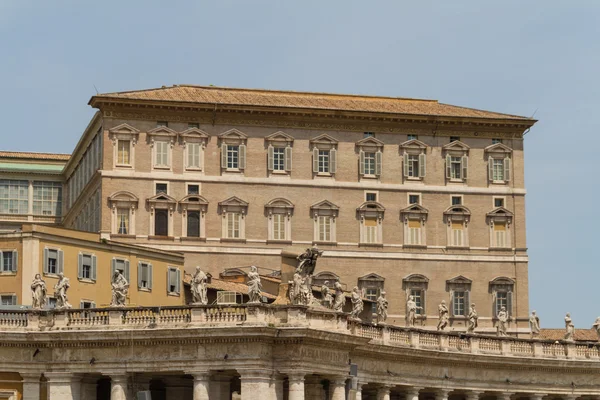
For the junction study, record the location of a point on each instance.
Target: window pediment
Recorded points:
(371, 209)
(194, 202)
(456, 147)
(124, 131)
(498, 149)
(233, 272)
(162, 133)
(194, 135)
(161, 199)
(502, 280)
(500, 214)
(413, 146)
(414, 211)
(279, 206)
(233, 204)
(458, 283)
(325, 276)
(415, 281)
(324, 141)
(233, 136)
(123, 198)
(457, 213)
(501, 284)
(370, 143)
(372, 277)
(325, 207)
(280, 138)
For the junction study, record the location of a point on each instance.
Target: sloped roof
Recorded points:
(304, 100)
(35, 156)
(588, 335)
(218, 284)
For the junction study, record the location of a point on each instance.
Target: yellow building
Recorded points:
(154, 276)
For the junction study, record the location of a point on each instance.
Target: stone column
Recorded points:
(313, 390)
(201, 385)
(442, 394)
(277, 387)
(413, 393)
(473, 395)
(504, 395)
(359, 386)
(220, 386)
(63, 385)
(256, 385)
(337, 388)
(536, 396)
(31, 386)
(383, 392)
(296, 386)
(118, 387)
(89, 389)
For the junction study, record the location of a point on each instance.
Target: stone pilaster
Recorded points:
(118, 387)
(256, 384)
(63, 385)
(296, 385)
(337, 388)
(31, 386)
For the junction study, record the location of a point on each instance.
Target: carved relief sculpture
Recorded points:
(38, 292)
(501, 326)
(534, 324)
(340, 299)
(411, 311)
(300, 291)
(382, 307)
(596, 327)
(254, 285)
(357, 303)
(60, 292)
(443, 316)
(472, 319)
(120, 288)
(198, 287)
(569, 328)
(327, 299)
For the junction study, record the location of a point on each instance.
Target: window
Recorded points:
(233, 211)
(14, 197)
(8, 300)
(499, 221)
(162, 123)
(278, 159)
(193, 125)
(123, 152)
(457, 220)
(123, 221)
(119, 264)
(460, 289)
(233, 225)
(414, 232)
(413, 165)
(324, 155)
(459, 304)
(279, 152)
(279, 212)
(455, 167)
(371, 286)
(419, 300)
(123, 205)
(193, 155)
(500, 234)
(416, 285)
(47, 198)
(372, 294)
(370, 163)
(193, 224)
(454, 139)
(502, 292)
(501, 301)
(8, 261)
(144, 275)
(412, 137)
(173, 281)
(498, 162)
(193, 189)
(371, 230)
(324, 229)
(87, 304)
(497, 170)
(324, 214)
(413, 218)
(457, 234)
(233, 150)
(233, 157)
(368, 134)
(323, 161)
(53, 261)
(87, 266)
(371, 226)
(161, 154)
(414, 199)
(498, 202)
(456, 200)
(161, 223)
(371, 196)
(279, 227)
(494, 141)
(162, 188)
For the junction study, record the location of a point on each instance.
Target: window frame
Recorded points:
(502, 285)
(370, 145)
(279, 208)
(324, 208)
(499, 152)
(418, 283)
(372, 282)
(500, 215)
(123, 132)
(21, 198)
(177, 272)
(14, 264)
(13, 299)
(149, 275)
(411, 149)
(233, 205)
(369, 211)
(459, 284)
(233, 137)
(414, 213)
(59, 261)
(92, 278)
(324, 147)
(193, 136)
(456, 154)
(457, 215)
(123, 200)
(278, 141)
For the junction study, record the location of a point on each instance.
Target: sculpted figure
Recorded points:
(60, 291)
(472, 319)
(327, 299)
(443, 314)
(38, 292)
(357, 303)
(411, 311)
(120, 288)
(502, 322)
(308, 260)
(254, 285)
(300, 291)
(340, 299)
(596, 327)
(382, 306)
(569, 328)
(534, 324)
(198, 287)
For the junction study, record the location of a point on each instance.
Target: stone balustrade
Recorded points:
(290, 316)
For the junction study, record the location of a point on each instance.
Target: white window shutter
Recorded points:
(422, 165)
(288, 158)
(178, 284)
(94, 261)
(45, 261)
(200, 156)
(405, 164)
(315, 160)
(81, 304)
(139, 273)
(113, 268)
(423, 305)
(378, 162)
(149, 276)
(169, 272)
(167, 146)
(242, 156)
(126, 272)
(448, 166)
(495, 304)
(270, 161)
(1, 262)
(507, 169)
(452, 299)
(15, 259)
(361, 166)
(223, 155)
(509, 297)
(332, 161)
(93, 304)
(490, 168)
(467, 301)
(60, 261)
(80, 266)
(465, 166)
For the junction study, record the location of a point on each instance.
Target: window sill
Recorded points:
(153, 237)
(233, 170)
(8, 273)
(86, 280)
(452, 180)
(277, 241)
(144, 289)
(279, 172)
(317, 242)
(414, 178)
(324, 174)
(124, 166)
(500, 249)
(233, 240)
(370, 245)
(193, 169)
(457, 247)
(498, 182)
(414, 246)
(192, 239)
(122, 236)
(50, 275)
(162, 167)
(370, 176)
(173, 294)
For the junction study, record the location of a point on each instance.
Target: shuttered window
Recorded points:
(8, 261)
(499, 233)
(233, 225)
(121, 265)
(123, 221)
(193, 155)
(414, 232)
(86, 266)
(123, 152)
(162, 154)
(173, 280)
(324, 228)
(144, 275)
(419, 297)
(459, 303)
(457, 233)
(279, 227)
(370, 227)
(53, 261)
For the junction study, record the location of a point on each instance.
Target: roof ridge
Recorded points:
(482, 110)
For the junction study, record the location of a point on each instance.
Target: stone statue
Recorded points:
(501, 326)
(60, 292)
(357, 303)
(340, 298)
(596, 327)
(254, 285)
(382, 307)
(120, 288)
(411, 311)
(534, 324)
(443, 316)
(327, 299)
(38, 292)
(198, 287)
(300, 291)
(472, 319)
(569, 328)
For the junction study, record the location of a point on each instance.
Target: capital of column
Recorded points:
(295, 376)
(536, 396)
(120, 378)
(442, 394)
(30, 377)
(61, 377)
(413, 391)
(473, 394)
(338, 380)
(199, 375)
(504, 395)
(255, 375)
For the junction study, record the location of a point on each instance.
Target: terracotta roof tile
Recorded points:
(318, 101)
(559, 334)
(35, 156)
(218, 284)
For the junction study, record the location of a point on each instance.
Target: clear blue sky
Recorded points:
(517, 57)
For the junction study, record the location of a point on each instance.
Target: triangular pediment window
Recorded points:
(413, 144)
(124, 129)
(233, 134)
(498, 148)
(279, 137)
(457, 147)
(370, 142)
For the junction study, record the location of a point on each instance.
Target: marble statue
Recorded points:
(534, 324)
(340, 298)
(382, 307)
(596, 327)
(38, 292)
(357, 303)
(443, 316)
(326, 298)
(501, 326)
(60, 291)
(120, 288)
(198, 287)
(300, 291)
(254, 285)
(472, 319)
(411, 311)
(569, 328)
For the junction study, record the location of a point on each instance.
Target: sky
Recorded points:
(533, 58)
